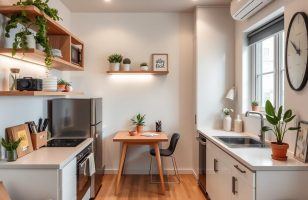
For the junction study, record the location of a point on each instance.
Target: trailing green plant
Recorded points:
(10, 145)
(126, 61)
(255, 103)
(39, 22)
(62, 82)
(279, 121)
(227, 111)
(115, 58)
(143, 64)
(139, 120)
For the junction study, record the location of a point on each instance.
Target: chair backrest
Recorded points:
(173, 142)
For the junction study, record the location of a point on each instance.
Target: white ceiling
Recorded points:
(137, 5)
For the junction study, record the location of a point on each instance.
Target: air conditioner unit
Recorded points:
(243, 9)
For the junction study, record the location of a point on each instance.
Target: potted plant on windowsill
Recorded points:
(255, 106)
(10, 147)
(139, 121)
(115, 61)
(279, 122)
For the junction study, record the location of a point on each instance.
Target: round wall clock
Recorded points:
(297, 51)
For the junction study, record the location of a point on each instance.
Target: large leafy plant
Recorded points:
(10, 145)
(279, 121)
(139, 120)
(39, 23)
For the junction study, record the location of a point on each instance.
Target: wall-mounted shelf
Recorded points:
(38, 93)
(138, 72)
(59, 38)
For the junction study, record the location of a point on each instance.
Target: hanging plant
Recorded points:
(39, 23)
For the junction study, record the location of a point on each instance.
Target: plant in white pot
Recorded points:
(227, 121)
(115, 61)
(144, 66)
(126, 64)
(279, 122)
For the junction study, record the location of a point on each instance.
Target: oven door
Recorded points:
(202, 162)
(83, 178)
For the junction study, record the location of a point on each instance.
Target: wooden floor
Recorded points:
(138, 187)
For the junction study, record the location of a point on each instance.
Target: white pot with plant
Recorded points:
(139, 121)
(279, 122)
(115, 61)
(255, 106)
(126, 64)
(227, 121)
(144, 66)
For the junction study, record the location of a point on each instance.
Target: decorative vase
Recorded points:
(279, 151)
(255, 108)
(227, 123)
(50, 84)
(115, 66)
(144, 68)
(139, 129)
(31, 41)
(126, 67)
(11, 155)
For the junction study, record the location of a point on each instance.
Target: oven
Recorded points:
(202, 163)
(83, 172)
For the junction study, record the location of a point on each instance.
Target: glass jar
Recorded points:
(14, 75)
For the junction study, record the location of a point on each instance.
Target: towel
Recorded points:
(91, 164)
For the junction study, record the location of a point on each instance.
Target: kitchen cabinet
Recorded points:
(41, 183)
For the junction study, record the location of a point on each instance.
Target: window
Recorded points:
(267, 61)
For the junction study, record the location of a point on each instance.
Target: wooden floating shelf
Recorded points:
(138, 72)
(38, 93)
(59, 38)
(37, 57)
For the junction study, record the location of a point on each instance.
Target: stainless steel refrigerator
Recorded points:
(80, 118)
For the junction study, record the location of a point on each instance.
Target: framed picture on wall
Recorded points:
(160, 62)
(301, 144)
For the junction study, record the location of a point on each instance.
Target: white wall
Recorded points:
(168, 98)
(297, 101)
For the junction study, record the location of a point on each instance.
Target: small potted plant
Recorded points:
(255, 106)
(61, 85)
(144, 66)
(227, 122)
(115, 61)
(68, 87)
(139, 121)
(10, 147)
(126, 64)
(279, 122)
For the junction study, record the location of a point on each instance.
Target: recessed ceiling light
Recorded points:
(107, 0)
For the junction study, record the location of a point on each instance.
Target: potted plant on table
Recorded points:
(279, 122)
(139, 121)
(227, 122)
(144, 66)
(10, 147)
(126, 64)
(115, 61)
(255, 106)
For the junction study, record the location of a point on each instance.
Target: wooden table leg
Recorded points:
(159, 167)
(121, 164)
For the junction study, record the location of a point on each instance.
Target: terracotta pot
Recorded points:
(132, 133)
(61, 87)
(255, 108)
(279, 151)
(139, 129)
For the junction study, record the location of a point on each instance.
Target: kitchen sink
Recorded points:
(241, 142)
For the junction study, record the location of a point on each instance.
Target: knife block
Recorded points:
(39, 139)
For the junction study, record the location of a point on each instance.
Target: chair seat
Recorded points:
(163, 152)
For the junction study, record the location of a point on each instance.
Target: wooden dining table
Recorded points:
(152, 141)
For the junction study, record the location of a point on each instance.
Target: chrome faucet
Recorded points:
(262, 134)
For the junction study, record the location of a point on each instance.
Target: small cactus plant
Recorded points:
(126, 61)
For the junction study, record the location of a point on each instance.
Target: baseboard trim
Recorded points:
(142, 172)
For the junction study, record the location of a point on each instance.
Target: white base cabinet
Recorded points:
(227, 179)
(41, 184)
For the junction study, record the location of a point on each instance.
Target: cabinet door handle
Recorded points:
(201, 141)
(234, 180)
(215, 165)
(239, 169)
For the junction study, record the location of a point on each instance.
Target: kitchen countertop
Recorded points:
(253, 158)
(46, 157)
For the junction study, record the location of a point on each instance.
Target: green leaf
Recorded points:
(272, 120)
(279, 113)
(287, 115)
(266, 128)
(294, 128)
(289, 119)
(269, 108)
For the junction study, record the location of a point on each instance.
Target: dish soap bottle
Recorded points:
(238, 124)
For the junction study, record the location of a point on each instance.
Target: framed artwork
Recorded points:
(301, 144)
(21, 131)
(160, 62)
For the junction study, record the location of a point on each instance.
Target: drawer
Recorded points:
(243, 173)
